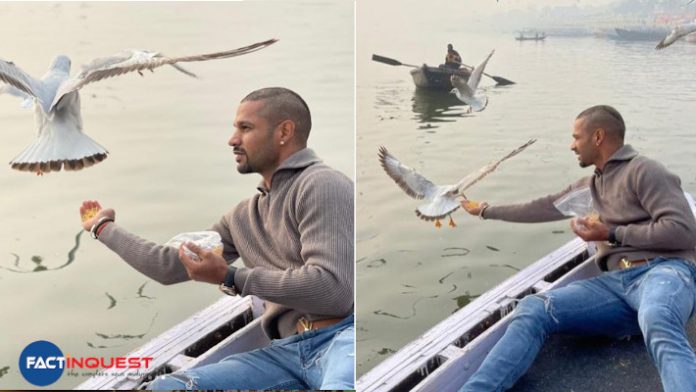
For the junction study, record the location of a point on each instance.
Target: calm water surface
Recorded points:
(170, 169)
(410, 274)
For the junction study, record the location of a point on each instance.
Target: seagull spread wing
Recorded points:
(476, 176)
(410, 181)
(475, 77)
(460, 84)
(676, 33)
(18, 79)
(136, 61)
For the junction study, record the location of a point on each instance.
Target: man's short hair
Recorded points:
(605, 117)
(283, 104)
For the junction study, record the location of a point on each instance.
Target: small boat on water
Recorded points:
(530, 36)
(436, 78)
(230, 325)
(445, 357)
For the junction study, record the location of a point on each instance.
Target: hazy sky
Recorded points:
(491, 6)
(467, 8)
(544, 3)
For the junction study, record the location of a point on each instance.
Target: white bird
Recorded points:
(676, 33)
(466, 90)
(61, 142)
(441, 198)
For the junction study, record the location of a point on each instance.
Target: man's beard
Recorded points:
(245, 169)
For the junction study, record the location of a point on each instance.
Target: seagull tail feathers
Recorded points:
(59, 147)
(184, 70)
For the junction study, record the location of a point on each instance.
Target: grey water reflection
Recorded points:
(120, 338)
(38, 260)
(464, 299)
(433, 106)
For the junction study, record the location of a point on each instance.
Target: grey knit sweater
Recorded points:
(295, 239)
(637, 195)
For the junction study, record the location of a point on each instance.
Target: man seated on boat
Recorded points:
(295, 237)
(452, 59)
(646, 234)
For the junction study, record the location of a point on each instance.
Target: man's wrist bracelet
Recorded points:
(612, 237)
(96, 228)
(482, 210)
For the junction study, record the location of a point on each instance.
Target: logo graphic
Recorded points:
(41, 363)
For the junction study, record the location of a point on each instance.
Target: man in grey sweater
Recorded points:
(646, 236)
(295, 237)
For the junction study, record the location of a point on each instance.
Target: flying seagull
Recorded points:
(676, 33)
(55, 97)
(441, 198)
(466, 90)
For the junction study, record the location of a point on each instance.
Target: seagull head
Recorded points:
(61, 63)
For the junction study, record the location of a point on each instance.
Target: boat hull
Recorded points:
(530, 38)
(436, 78)
(643, 34)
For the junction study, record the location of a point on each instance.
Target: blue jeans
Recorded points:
(654, 299)
(318, 359)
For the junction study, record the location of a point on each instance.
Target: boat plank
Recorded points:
(176, 341)
(453, 373)
(419, 355)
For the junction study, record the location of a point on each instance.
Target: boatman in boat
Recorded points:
(645, 234)
(295, 237)
(452, 59)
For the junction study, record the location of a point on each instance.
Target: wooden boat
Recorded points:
(436, 78)
(538, 37)
(642, 33)
(445, 357)
(230, 325)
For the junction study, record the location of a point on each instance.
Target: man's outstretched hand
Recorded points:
(211, 268)
(91, 211)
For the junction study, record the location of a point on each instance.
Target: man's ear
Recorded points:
(599, 135)
(287, 131)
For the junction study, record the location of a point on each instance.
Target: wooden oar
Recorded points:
(386, 60)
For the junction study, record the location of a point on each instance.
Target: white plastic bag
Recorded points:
(576, 203)
(209, 240)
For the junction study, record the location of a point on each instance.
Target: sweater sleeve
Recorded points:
(157, 262)
(672, 225)
(324, 283)
(538, 210)
(229, 251)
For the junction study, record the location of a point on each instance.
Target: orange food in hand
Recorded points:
(470, 204)
(89, 214)
(592, 217)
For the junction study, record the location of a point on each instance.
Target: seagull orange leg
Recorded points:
(437, 223)
(451, 222)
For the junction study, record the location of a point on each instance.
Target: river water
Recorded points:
(410, 274)
(169, 169)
